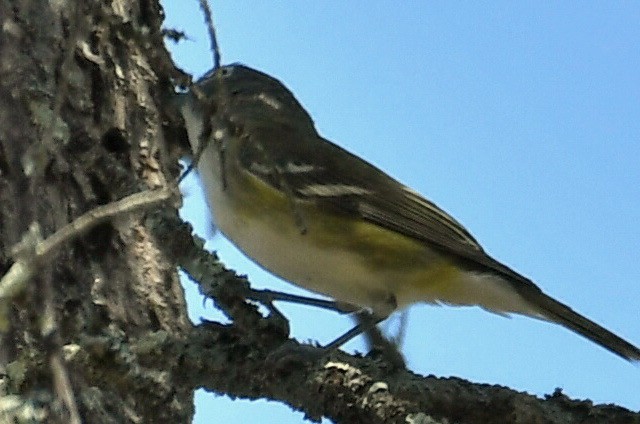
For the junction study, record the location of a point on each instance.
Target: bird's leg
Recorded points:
(366, 321)
(332, 305)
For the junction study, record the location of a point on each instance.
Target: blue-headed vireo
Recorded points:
(320, 217)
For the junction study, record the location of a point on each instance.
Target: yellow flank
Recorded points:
(441, 280)
(408, 268)
(330, 229)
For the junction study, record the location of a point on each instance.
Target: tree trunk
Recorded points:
(80, 127)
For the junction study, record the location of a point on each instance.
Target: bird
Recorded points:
(322, 218)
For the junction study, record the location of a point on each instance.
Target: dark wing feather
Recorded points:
(387, 202)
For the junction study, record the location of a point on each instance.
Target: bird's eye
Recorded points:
(226, 71)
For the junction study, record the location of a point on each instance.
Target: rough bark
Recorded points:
(102, 327)
(80, 126)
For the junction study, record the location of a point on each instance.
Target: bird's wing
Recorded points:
(316, 169)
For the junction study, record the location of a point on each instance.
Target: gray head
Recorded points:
(250, 95)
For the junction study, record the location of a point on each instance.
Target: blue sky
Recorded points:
(521, 119)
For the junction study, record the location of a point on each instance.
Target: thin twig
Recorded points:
(28, 262)
(215, 48)
(64, 388)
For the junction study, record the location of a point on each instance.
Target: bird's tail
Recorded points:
(564, 315)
